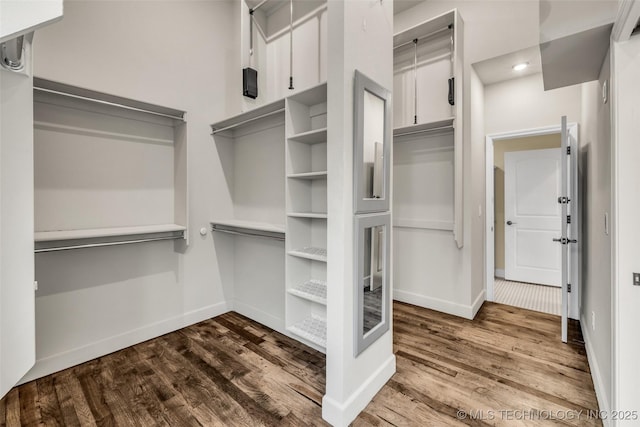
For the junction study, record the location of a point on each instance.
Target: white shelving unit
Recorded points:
(249, 240)
(108, 170)
(306, 197)
(428, 131)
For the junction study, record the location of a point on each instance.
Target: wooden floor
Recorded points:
(228, 371)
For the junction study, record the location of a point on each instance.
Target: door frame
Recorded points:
(489, 255)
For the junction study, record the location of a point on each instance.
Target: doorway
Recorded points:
(523, 266)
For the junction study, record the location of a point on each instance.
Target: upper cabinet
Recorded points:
(19, 17)
(428, 125)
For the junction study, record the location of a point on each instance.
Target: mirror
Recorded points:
(371, 145)
(372, 279)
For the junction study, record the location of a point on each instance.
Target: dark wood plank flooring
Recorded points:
(231, 371)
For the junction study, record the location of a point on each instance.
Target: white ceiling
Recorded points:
(402, 5)
(500, 68)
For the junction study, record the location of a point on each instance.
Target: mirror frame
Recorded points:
(363, 222)
(363, 204)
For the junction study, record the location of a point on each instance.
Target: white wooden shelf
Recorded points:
(271, 109)
(61, 235)
(312, 329)
(311, 96)
(251, 225)
(315, 254)
(316, 215)
(312, 290)
(432, 126)
(424, 28)
(311, 137)
(423, 224)
(309, 175)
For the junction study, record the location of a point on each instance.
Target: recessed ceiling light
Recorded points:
(521, 66)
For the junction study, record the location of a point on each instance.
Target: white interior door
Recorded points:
(532, 216)
(568, 239)
(17, 299)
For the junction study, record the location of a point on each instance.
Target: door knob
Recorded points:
(511, 222)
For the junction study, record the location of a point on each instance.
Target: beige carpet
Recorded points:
(547, 299)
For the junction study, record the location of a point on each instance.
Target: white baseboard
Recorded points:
(67, 359)
(342, 414)
(449, 307)
(260, 316)
(499, 273)
(594, 367)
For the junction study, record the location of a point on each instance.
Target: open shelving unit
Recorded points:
(306, 202)
(428, 119)
(108, 170)
(249, 240)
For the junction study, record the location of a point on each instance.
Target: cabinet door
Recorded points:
(17, 298)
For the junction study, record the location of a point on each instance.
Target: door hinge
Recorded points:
(35, 285)
(568, 219)
(563, 200)
(568, 287)
(568, 150)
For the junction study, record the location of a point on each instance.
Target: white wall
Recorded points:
(171, 53)
(595, 180)
(523, 104)
(360, 37)
(626, 230)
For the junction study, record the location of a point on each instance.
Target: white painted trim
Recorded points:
(499, 273)
(341, 415)
(490, 207)
(260, 316)
(489, 228)
(67, 359)
(477, 304)
(628, 15)
(594, 367)
(444, 306)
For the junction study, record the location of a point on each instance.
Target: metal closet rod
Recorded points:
(97, 245)
(426, 36)
(251, 10)
(244, 122)
(246, 233)
(111, 104)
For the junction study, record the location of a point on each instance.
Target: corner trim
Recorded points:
(73, 357)
(594, 367)
(628, 15)
(342, 414)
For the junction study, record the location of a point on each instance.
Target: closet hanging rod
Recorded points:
(247, 234)
(244, 122)
(97, 245)
(415, 132)
(253, 9)
(176, 116)
(426, 36)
